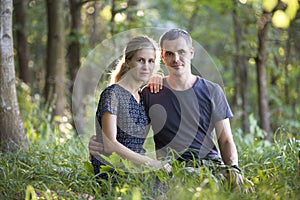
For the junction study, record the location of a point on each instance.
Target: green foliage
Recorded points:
(61, 170)
(37, 118)
(47, 168)
(57, 167)
(273, 167)
(37, 122)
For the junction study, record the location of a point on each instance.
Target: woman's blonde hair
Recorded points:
(134, 45)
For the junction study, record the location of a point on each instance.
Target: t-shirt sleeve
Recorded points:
(220, 107)
(108, 103)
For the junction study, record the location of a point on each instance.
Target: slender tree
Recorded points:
(94, 35)
(12, 134)
(56, 72)
(74, 50)
(240, 68)
(263, 25)
(21, 37)
(74, 46)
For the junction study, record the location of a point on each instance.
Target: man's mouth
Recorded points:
(176, 66)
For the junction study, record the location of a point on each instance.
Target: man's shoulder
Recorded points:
(207, 82)
(145, 89)
(210, 85)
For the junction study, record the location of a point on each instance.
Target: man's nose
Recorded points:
(176, 56)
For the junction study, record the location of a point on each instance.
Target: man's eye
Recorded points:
(181, 52)
(169, 53)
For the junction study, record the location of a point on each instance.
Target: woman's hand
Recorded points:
(155, 83)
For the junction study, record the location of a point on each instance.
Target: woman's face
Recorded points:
(142, 64)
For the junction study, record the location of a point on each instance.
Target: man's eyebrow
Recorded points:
(174, 51)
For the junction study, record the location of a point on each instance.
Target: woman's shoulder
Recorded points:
(111, 89)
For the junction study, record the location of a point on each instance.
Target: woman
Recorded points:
(121, 118)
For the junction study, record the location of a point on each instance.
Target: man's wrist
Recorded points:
(236, 167)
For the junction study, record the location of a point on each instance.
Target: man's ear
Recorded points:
(192, 52)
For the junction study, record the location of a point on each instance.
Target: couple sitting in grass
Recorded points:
(184, 114)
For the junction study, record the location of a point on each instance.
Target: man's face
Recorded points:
(177, 55)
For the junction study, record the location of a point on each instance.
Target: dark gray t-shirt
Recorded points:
(184, 120)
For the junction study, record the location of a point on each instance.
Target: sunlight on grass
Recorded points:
(56, 169)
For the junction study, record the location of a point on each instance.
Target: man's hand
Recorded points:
(237, 181)
(155, 83)
(95, 147)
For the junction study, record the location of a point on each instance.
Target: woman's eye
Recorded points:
(141, 60)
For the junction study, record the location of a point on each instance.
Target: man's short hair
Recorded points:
(174, 34)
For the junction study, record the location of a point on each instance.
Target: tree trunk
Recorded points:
(22, 47)
(74, 47)
(286, 63)
(12, 134)
(95, 31)
(294, 36)
(55, 75)
(240, 69)
(74, 58)
(261, 61)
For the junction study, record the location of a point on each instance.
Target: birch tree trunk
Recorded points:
(12, 134)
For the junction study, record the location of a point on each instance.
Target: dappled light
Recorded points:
(239, 138)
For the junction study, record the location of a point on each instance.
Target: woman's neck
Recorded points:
(131, 85)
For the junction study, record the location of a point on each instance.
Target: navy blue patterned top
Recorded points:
(131, 116)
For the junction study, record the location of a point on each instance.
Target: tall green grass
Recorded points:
(57, 166)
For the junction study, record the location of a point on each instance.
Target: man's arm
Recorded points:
(230, 156)
(226, 144)
(95, 147)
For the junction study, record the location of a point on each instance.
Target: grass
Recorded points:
(57, 166)
(60, 170)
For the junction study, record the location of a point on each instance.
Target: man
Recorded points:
(185, 113)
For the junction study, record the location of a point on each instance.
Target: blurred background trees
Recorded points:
(253, 43)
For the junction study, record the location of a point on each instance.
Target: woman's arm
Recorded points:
(155, 82)
(109, 130)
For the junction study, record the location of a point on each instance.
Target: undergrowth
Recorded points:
(57, 166)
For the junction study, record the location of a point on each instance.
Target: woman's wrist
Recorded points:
(159, 73)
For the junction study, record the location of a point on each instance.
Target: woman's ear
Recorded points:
(162, 55)
(127, 62)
